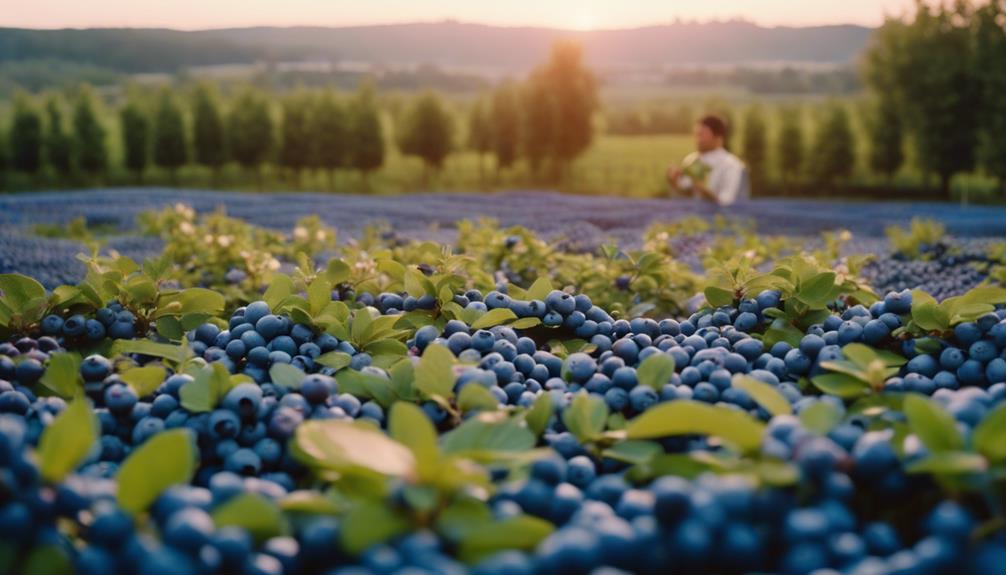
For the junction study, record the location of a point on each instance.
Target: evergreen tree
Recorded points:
(991, 63)
(572, 90)
(26, 136)
(208, 138)
(329, 135)
(886, 138)
(58, 143)
(135, 132)
(505, 125)
(539, 123)
(250, 131)
(790, 145)
(295, 151)
(834, 152)
(170, 147)
(427, 131)
(89, 146)
(480, 132)
(755, 144)
(366, 138)
(4, 156)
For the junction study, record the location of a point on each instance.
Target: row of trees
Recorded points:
(307, 130)
(939, 77)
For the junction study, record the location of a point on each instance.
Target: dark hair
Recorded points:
(715, 124)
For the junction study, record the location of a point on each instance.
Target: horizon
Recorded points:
(567, 15)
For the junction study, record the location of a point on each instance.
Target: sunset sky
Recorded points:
(578, 14)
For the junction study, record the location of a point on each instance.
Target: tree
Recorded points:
(833, 152)
(208, 138)
(135, 131)
(480, 132)
(26, 136)
(58, 143)
(790, 144)
(755, 144)
(427, 131)
(925, 64)
(990, 60)
(250, 131)
(89, 146)
(539, 123)
(886, 138)
(295, 134)
(366, 138)
(329, 135)
(504, 122)
(4, 159)
(572, 90)
(170, 148)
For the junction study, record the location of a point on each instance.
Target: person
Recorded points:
(711, 173)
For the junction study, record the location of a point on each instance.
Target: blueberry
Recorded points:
(580, 367)
(52, 325)
(95, 368)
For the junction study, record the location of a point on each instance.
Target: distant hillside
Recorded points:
(444, 43)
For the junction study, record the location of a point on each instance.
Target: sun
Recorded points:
(584, 18)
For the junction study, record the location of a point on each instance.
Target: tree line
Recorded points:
(546, 119)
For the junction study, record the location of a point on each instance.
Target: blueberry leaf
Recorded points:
(521, 532)
(435, 372)
(67, 441)
(351, 447)
(656, 370)
(165, 459)
(144, 380)
(260, 517)
(62, 374)
(494, 317)
(586, 416)
(688, 417)
(932, 424)
(988, 435)
(368, 523)
(764, 394)
(286, 375)
(408, 425)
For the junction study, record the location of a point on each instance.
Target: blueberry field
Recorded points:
(525, 383)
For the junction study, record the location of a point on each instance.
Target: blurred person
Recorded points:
(711, 172)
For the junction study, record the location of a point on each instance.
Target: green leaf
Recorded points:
(486, 435)
(286, 375)
(368, 523)
(861, 355)
(764, 394)
(988, 435)
(367, 385)
(207, 389)
(841, 385)
(656, 370)
(525, 323)
(166, 459)
(688, 417)
(319, 294)
(62, 374)
(144, 380)
(541, 411)
(351, 447)
(585, 416)
(66, 442)
(934, 426)
(494, 317)
(47, 559)
(279, 289)
(930, 316)
(817, 290)
(174, 353)
(718, 297)
(476, 397)
(255, 514)
(435, 372)
(950, 463)
(337, 272)
(408, 425)
(520, 532)
(820, 417)
(309, 501)
(539, 289)
(335, 359)
(635, 452)
(19, 291)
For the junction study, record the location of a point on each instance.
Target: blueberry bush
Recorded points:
(705, 400)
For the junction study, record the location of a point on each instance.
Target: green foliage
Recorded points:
(504, 124)
(886, 137)
(863, 371)
(66, 442)
(990, 61)
(366, 137)
(170, 145)
(330, 130)
(931, 317)
(833, 150)
(58, 143)
(208, 136)
(250, 130)
(25, 136)
(754, 145)
(295, 144)
(790, 144)
(135, 131)
(166, 459)
(685, 417)
(921, 233)
(427, 131)
(567, 92)
(89, 145)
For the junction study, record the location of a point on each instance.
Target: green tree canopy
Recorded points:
(755, 144)
(135, 132)
(834, 155)
(26, 136)
(250, 130)
(208, 138)
(366, 136)
(170, 146)
(427, 131)
(990, 59)
(886, 137)
(572, 90)
(504, 123)
(89, 145)
(295, 133)
(58, 143)
(329, 133)
(790, 144)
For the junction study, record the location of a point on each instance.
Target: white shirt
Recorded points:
(727, 179)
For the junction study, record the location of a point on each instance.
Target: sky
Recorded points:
(572, 14)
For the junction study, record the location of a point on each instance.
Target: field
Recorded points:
(507, 383)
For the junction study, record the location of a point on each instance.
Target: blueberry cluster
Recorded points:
(111, 321)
